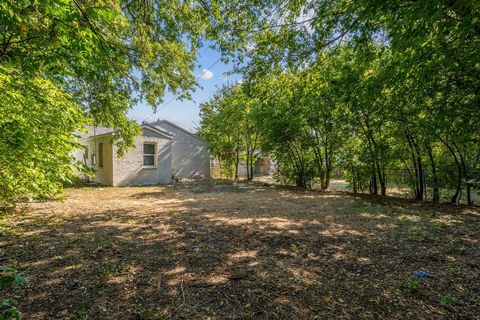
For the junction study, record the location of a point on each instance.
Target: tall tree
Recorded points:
(90, 61)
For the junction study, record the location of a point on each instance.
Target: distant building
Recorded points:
(263, 166)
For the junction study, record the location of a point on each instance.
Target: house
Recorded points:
(162, 153)
(263, 166)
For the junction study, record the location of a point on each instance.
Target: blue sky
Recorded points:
(186, 113)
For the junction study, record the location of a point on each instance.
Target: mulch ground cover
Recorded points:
(245, 251)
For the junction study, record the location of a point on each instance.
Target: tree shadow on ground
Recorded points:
(176, 253)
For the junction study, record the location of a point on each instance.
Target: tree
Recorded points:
(35, 142)
(220, 126)
(410, 87)
(230, 125)
(67, 63)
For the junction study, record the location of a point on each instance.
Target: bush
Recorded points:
(36, 141)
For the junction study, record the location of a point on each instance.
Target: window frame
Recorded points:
(154, 155)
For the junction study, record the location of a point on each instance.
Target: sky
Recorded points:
(186, 113)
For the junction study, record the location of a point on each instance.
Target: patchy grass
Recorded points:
(226, 251)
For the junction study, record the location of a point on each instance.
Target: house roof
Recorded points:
(95, 131)
(157, 130)
(179, 128)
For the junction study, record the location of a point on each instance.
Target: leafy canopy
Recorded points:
(66, 63)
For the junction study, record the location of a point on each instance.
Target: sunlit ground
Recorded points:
(218, 251)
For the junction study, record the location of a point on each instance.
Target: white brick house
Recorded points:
(163, 152)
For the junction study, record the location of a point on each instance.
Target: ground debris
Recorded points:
(226, 251)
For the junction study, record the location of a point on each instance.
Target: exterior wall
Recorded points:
(262, 166)
(242, 169)
(178, 154)
(190, 155)
(129, 170)
(103, 175)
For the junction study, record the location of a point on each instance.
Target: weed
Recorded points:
(153, 315)
(437, 225)
(80, 313)
(117, 269)
(9, 277)
(410, 284)
(446, 301)
(420, 235)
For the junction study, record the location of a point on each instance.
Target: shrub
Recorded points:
(9, 277)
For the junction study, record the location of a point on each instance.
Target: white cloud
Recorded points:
(206, 74)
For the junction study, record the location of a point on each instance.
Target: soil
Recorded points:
(241, 251)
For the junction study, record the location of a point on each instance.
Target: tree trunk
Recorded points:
(420, 179)
(301, 181)
(417, 163)
(374, 185)
(456, 197)
(328, 167)
(237, 161)
(381, 179)
(436, 193)
(318, 156)
(421, 176)
(469, 196)
(252, 165)
(248, 166)
(465, 174)
(354, 182)
(220, 167)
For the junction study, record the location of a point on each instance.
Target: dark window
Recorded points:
(148, 154)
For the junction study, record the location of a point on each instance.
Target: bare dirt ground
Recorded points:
(218, 251)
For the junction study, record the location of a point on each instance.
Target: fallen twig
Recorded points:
(183, 291)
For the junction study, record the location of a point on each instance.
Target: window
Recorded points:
(85, 156)
(149, 154)
(100, 155)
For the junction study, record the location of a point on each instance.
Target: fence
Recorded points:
(400, 182)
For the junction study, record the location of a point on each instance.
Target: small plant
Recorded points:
(455, 247)
(80, 312)
(410, 284)
(114, 270)
(153, 315)
(437, 225)
(8, 311)
(9, 277)
(446, 301)
(420, 236)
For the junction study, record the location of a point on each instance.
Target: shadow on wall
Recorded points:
(190, 159)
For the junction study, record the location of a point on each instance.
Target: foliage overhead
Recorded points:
(376, 88)
(67, 63)
(397, 81)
